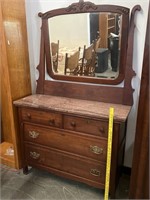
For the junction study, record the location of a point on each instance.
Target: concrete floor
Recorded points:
(45, 186)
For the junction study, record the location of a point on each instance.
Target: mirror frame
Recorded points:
(87, 7)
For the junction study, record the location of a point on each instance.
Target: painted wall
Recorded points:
(33, 27)
(72, 31)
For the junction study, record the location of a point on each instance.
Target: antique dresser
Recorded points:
(64, 126)
(69, 137)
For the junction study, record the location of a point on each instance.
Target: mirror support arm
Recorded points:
(40, 67)
(128, 90)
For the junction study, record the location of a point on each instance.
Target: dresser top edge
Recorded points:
(74, 106)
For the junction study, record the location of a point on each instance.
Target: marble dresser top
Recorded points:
(74, 106)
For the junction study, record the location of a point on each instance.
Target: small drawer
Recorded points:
(41, 117)
(80, 144)
(95, 127)
(83, 168)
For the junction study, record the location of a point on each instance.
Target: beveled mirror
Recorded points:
(86, 42)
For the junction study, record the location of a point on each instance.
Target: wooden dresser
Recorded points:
(64, 126)
(68, 137)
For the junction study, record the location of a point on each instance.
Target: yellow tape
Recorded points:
(109, 149)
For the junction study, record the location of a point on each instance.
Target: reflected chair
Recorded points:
(55, 54)
(88, 61)
(72, 63)
(96, 43)
(96, 48)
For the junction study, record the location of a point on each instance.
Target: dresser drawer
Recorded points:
(64, 162)
(41, 117)
(75, 143)
(86, 125)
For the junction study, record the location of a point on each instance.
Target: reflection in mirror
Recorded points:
(86, 44)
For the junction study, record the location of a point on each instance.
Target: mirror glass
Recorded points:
(86, 44)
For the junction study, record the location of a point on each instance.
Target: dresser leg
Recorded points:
(112, 195)
(25, 170)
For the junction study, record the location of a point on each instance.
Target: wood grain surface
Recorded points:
(15, 67)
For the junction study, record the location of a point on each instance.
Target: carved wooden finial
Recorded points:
(81, 6)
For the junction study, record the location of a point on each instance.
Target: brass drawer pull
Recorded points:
(33, 134)
(95, 172)
(96, 149)
(34, 155)
(73, 124)
(51, 122)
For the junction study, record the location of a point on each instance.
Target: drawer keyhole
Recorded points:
(29, 115)
(51, 122)
(73, 124)
(102, 130)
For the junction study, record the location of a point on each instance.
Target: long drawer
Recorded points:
(64, 162)
(41, 117)
(81, 144)
(96, 127)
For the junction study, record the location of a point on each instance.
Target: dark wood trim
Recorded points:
(84, 7)
(40, 67)
(139, 185)
(128, 90)
(86, 92)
